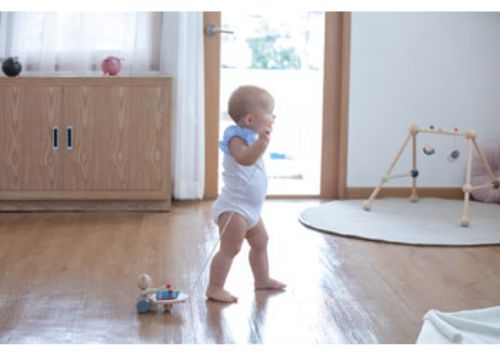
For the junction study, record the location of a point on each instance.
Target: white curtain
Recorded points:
(75, 43)
(183, 59)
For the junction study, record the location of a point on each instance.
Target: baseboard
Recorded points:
(84, 206)
(454, 193)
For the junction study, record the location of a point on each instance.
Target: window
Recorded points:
(79, 41)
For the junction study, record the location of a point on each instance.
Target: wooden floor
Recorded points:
(71, 278)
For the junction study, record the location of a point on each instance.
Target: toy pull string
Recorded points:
(190, 289)
(165, 297)
(210, 255)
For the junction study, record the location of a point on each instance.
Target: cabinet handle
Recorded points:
(69, 137)
(55, 138)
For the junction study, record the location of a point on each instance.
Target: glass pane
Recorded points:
(282, 53)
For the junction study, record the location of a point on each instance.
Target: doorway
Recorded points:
(301, 59)
(283, 53)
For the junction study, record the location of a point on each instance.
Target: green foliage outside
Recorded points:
(267, 55)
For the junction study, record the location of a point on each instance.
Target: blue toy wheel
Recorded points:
(143, 306)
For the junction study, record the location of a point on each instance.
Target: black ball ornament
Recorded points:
(11, 66)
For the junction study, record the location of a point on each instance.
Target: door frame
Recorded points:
(212, 97)
(335, 107)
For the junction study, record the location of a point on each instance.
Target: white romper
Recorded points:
(245, 187)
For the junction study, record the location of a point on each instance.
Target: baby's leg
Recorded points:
(231, 239)
(257, 238)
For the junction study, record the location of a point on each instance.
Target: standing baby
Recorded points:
(237, 210)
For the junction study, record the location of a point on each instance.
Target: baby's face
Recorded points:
(264, 116)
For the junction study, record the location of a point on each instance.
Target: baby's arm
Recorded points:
(248, 155)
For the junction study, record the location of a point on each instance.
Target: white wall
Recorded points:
(440, 69)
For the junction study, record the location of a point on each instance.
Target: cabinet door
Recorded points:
(120, 142)
(29, 166)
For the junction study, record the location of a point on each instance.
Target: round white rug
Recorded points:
(430, 221)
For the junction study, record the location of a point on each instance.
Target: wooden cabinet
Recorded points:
(27, 161)
(86, 138)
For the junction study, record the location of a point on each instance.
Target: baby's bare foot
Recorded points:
(220, 295)
(270, 284)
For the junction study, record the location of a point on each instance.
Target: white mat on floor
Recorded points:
(471, 326)
(431, 221)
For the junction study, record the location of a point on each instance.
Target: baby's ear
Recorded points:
(247, 119)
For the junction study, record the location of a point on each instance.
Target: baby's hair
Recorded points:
(245, 99)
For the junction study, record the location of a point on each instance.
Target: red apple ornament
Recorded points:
(111, 65)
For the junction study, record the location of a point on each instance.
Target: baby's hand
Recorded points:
(265, 132)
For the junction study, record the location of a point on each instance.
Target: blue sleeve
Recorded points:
(247, 135)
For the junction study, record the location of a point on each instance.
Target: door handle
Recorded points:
(55, 138)
(69, 138)
(212, 30)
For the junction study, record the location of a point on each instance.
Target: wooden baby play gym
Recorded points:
(467, 188)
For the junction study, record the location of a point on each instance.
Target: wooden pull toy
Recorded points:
(152, 298)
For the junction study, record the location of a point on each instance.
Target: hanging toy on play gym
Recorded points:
(428, 149)
(455, 153)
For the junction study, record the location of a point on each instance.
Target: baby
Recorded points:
(237, 210)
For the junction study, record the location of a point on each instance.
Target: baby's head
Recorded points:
(249, 102)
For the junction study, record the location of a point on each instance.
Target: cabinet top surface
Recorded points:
(118, 80)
